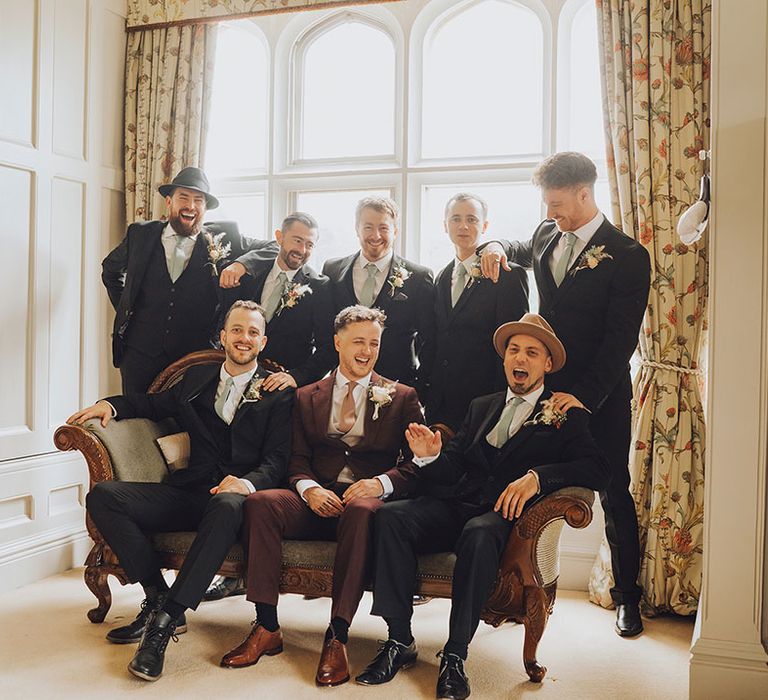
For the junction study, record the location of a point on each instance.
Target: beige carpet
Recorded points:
(48, 649)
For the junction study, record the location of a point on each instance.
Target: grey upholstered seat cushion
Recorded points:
(132, 448)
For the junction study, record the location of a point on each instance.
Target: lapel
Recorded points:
(371, 427)
(345, 276)
(259, 279)
(444, 290)
(384, 297)
(469, 289)
(543, 274)
(139, 265)
(199, 255)
(207, 375)
(600, 237)
(244, 407)
(322, 403)
(525, 431)
(298, 278)
(491, 418)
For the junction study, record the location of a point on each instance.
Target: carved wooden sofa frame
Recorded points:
(526, 584)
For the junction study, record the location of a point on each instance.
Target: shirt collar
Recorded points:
(531, 398)
(241, 380)
(468, 263)
(382, 264)
(588, 230)
(170, 232)
(341, 380)
(276, 270)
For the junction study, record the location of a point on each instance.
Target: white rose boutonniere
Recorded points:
(591, 258)
(397, 279)
(292, 295)
(380, 394)
(548, 415)
(217, 251)
(252, 392)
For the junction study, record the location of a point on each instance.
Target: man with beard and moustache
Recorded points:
(377, 277)
(163, 281)
(239, 443)
(511, 447)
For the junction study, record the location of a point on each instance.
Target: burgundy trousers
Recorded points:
(277, 514)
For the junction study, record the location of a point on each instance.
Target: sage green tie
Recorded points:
(178, 259)
(459, 284)
(274, 298)
(368, 292)
(562, 265)
(223, 397)
(500, 433)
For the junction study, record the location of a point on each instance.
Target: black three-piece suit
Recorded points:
(466, 364)
(407, 344)
(456, 513)
(597, 314)
(299, 338)
(255, 446)
(158, 320)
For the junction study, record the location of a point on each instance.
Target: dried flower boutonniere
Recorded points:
(292, 295)
(253, 391)
(475, 273)
(380, 394)
(548, 415)
(217, 251)
(397, 279)
(591, 258)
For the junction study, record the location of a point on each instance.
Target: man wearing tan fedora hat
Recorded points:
(512, 446)
(163, 281)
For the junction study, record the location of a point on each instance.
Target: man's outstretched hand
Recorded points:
(231, 274)
(492, 259)
(422, 441)
(100, 410)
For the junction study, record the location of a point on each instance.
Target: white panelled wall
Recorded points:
(61, 181)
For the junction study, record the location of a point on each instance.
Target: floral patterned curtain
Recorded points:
(655, 62)
(167, 95)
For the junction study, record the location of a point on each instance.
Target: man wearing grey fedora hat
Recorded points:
(163, 280)
(513, 445)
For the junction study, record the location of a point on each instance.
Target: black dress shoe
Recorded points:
(391, 658)
(148, 661)
(628, 621)
(131, 633)
(224, 588)
(452, 682)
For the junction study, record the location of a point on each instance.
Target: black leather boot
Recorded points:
(148, 661)
(131, 633)
(452, 682)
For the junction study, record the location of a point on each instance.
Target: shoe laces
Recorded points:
(450, 660)
(157, 638)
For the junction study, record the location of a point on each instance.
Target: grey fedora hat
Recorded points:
(191, 179)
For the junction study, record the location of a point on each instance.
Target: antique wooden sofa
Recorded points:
(527, 580)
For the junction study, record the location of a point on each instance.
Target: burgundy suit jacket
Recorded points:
(382, 450)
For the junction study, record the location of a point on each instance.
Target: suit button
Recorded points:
(552, 314)
(167, 331)
(171, 304)
(173, 289)
(170, 317)
(445, 363)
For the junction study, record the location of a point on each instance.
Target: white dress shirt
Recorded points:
(269, 283)
(360, 394)
(360, 274)
(583, 236)
(521, 415)
(169, 239)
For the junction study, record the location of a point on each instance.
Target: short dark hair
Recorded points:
(299, 217)
(565, 170)
(466, 197)
(358, 314)
(382, 205)
(246, 304)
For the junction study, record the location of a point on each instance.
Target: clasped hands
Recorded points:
(327, 504)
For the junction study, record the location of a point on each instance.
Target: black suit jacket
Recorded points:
(299, 338)
(407, 345)
(596, 313)
(466, 364)
(124, 268)
(470, 471)
(259, 432)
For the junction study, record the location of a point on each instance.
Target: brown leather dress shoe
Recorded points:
(258, 642)
(333, 668)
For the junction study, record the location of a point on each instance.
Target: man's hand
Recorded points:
(231, 274)
(324, 502)
(231, 484)
(563, 401)
(492, 259)
(279, 380)
(512, 499)
(365, 488)
(422, 441)
(101, 410)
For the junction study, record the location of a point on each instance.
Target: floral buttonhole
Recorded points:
(548, 415)
(397, 279)
(380, 394)
(591, 258)
(217, 250)
(253, 391)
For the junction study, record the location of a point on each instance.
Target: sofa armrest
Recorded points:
(75, 437)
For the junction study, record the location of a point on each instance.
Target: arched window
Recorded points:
(483, 82)
(345, 100)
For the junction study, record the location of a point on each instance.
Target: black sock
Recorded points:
(175, 610)
(338, 628)
(266, 616)
(457, 648)
(400, 629)
(154, 585)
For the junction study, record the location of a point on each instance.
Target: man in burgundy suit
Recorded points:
(348, 455)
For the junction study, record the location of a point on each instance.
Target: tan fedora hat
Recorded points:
(533, 325)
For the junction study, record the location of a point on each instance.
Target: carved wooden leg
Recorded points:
(96, 580)
(535, 620)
